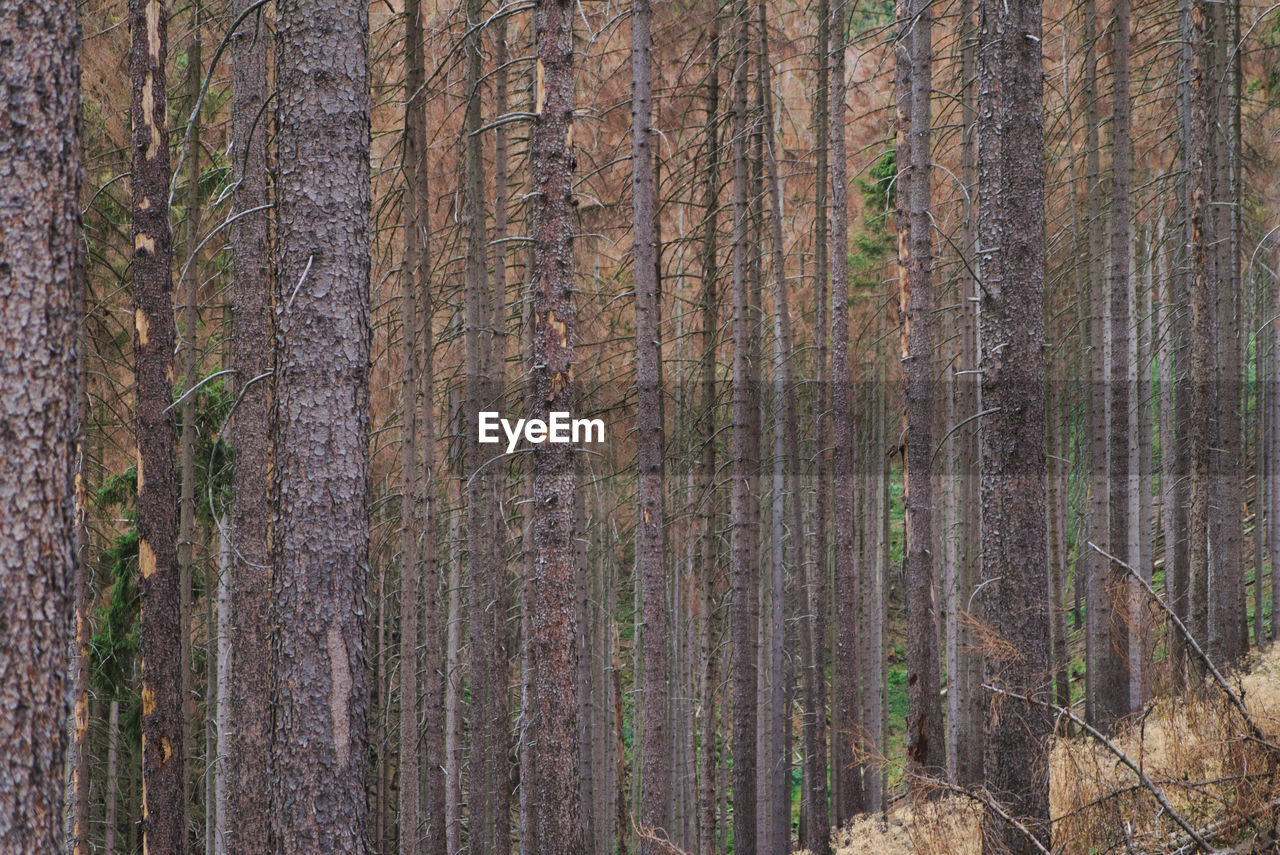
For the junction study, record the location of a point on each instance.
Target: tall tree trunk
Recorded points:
(551, 725)
(164, 806)
(965, 704)
(655, 773)
(914, 54)
(487, 760)
(846, 768)
(1015, 588)
(786, 470)
(709, 578)
(1177, 576)
(813, 586)
(247, 706)
(190, 366)
(413, 495)
(1102, 659)
(321, 535)
(40, 381)
(743, 530)
(1202, 337)
(1112, 695)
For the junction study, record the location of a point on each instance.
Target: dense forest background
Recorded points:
(936, 348)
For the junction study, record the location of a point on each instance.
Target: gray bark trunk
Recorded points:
(39, 381)
(321, 534)
(1014, 593)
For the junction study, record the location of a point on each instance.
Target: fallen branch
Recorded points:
(1120, 755)
(982, 797)
(1256, 732)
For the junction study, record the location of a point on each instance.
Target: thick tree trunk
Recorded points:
(655, 759)
(551, 725)
(1014, 593)
(926, 751)
(321, 536)
(247, 707)
(40, 383)
(164, 806)
(845, 716)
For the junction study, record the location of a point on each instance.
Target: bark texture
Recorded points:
(164, 806)
(1012, 443)
(926, 752)
(655, 760)
(550, 757)
(248, 706)
(845, 717)
(743, 572)
(321, 563)
(41, 267)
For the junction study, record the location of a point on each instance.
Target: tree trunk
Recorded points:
(551, 726)
(786, 469)
(965, 703)
(1112, 695)
(655, 786)
(708, 577)
(247, 706)
(113, 777)
(816, 812)
(914, 54)
(164, 806)
(189, 336)
(1101, 658)
(39, 380)
(1014, 594)
(414, 495)
(321, 535)
(1202, 336)
(743, 530)
(845, 715)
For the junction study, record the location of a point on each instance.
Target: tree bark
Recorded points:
(39, 380)
(321, 537)
(247, 706)
(743, 528)
(551, 725)
(816, 811)
(164, 808)
(914, 55)
(1112, 684)
(1015, 588)
(655, 758)
(1202, 336)
(845, 716)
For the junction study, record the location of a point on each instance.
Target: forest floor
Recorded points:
(1195, 751)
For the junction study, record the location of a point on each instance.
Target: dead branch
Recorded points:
(1255, 732)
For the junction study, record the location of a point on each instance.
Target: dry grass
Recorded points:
(1196, 750)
